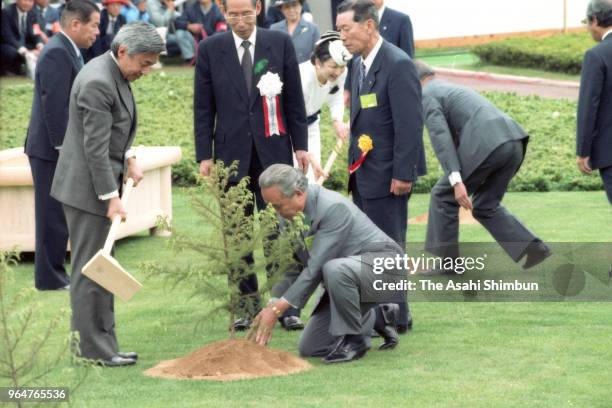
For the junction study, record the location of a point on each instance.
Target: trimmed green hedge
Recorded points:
(165, 117)
(559, 53)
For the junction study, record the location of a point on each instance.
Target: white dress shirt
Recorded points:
(369, 60)
(381, 11)
(240, 49)
(607, 33)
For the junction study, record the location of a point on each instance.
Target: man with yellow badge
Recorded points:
(386, 107)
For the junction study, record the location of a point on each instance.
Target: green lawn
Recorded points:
(468, 61)
(458, 355)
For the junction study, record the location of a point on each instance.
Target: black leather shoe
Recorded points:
(403, 328)
(242, 324)
(349, 349)
(292, 323)
(386, 319)
(117, 361)
(537, 251)
(128, 354)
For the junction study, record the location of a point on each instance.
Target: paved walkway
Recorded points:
(484, 81)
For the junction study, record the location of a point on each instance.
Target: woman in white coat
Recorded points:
(323, 83)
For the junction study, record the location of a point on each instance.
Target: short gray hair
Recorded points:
(139, 38)
(288, 179)
(423, 70)
(602, 10)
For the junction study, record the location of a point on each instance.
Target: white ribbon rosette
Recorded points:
(270, 87)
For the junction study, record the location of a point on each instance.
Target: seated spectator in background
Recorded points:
(111, 21)
(274, 15)
(48, 20)
(163, 15)
(303, 33)
(19, 45)
(202, 19)
(135, 10)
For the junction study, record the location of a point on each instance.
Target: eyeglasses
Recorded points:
(234, 17)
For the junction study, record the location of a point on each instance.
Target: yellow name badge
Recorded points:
(368, 101)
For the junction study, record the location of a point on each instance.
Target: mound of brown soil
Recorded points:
(229, 360)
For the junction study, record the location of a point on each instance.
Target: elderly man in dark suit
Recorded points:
(594, 137)
(233, 121)
(393, 26)
(17, 37)
(94, 160)
(345, 244)
(480, 149)
(59, 63)
(385, 105)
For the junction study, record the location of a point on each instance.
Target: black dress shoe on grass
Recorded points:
(117, 361)
(386, 319)
(537, 251)
(292, 323)
(352, 347)
(128, 354)
(403, 328)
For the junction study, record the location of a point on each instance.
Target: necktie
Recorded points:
(247, 65)
(362, 75)
(111, 26)
(23, 27)
(81, 60)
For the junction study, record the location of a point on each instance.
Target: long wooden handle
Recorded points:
(112, 233)
(330, 162)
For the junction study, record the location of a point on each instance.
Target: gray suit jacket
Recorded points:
(464, 127)
(304, 37)
(338, 230)
(101, 128)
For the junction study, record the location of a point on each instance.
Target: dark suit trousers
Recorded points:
(487, 185)
(606, 176)
(51, 229)
(249, 286)
(10, 60)
(93, 315)
(390, 214)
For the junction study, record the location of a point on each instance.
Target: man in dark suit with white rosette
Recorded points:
(345, 249)
(480, 149)
(59, 63)
(249, 107)
(594, 136)
(94, 161)
(386, 106)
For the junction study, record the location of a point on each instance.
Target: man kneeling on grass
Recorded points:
(344, 244)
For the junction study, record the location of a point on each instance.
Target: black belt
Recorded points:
(313, 118)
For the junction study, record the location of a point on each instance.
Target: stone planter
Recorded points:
(152, 197)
